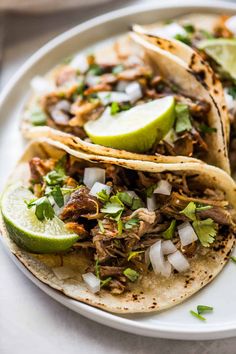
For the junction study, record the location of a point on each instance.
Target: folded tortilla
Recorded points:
(152, 292)
(187, 78)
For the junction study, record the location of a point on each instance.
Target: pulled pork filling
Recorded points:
(81, 97)
(131, 222)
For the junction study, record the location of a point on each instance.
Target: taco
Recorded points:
(212, 37)
(115, 100)
(122, 235)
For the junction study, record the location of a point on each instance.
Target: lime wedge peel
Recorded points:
(223, 51)
(26, 230)
(136, 129)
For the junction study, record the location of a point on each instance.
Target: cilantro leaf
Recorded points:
(112, 208)
(97, 269)
(54, 178)
(189, 28)
(134, 254)
(120, 226)
(115, 108)
(183, 38)
(203, 308)
(57, 196)
(37, 116)
(206, 129)
(190, 211)
(233, 258)
(105, 281)
(206, 34)
(131, 223)
(232, 91)
(43, 208)
(205, 230)
(133, 202)
(149, 190)
(131, 274)
(169, 233)
(182, 118)
(195, 314)
(95, 69)
(103, 196)
(201, 207)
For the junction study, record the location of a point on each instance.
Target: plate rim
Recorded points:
(112, 320)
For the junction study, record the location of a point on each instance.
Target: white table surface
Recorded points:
(30, 321)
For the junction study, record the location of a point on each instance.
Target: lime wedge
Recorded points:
(223, 51)
(136, 129)
(26, 230)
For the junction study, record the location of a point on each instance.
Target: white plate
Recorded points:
(175, 323)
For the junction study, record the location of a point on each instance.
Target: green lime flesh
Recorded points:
(223, 51)
(134, 130)
(29, 233)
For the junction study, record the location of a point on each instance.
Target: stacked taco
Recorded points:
(124, 199)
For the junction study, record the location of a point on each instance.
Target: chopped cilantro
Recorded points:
(189, 28)
(183, 38)
(53, 178)
(95, 69)
(205, 230)
(232, 91)
(60, 166)
(206, 34)
(149, 190)
(115, 108)
(57, 196)
(131, 274)
(117, 69)
(131, 223)
(203, 308)
(103, 196)
(137, 203)
(38, 117)
(182, 118)
(206, 129)
(195, 314)
(105, 281)
(233, 258)
(133, 202)
(112, 208)
(134, 254)
(169, 233)
(202, 207)
(190, 211)
(97, 269)
(43, 208)
(125, 198)
(101, 227)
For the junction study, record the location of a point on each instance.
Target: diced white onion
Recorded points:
(92, 80)
(230, 23)
(133, 60)
(168, 247)
(230, 102)
(59, 116)
(178, 261)
(107, 97)
(134, 91)
(92, 175)
(98, 187)
(168, 31)
(160, 266)
(164, 187)
(92, 282)
(121, 86)
(80, 63)
(187, 234)
(41, 86)
(151, 203)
